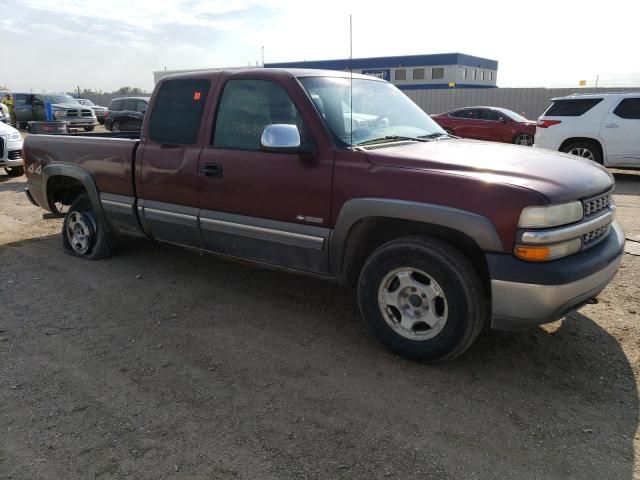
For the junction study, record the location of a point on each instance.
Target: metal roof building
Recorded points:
(415, 72)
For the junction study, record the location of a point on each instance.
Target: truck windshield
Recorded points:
(381, 112)
(60, 99)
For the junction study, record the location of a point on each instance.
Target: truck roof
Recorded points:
(272, 72)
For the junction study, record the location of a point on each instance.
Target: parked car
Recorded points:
(97, 109)
(11, 150)
(4, 114)
(439, 235)
(31, 107)
(488, 123)
(126, 114)
(601, 127)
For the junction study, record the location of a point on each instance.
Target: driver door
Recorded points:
(268, 207)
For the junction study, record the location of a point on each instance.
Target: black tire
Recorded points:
(89, 129)
(115, 126)
(587, 150)
(464, 297)
(99, 239)
(14, 171)
(523, 138)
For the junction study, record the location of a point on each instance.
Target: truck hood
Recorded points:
(558, 176)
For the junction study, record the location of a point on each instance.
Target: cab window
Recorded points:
(177, 111)
(246, 107)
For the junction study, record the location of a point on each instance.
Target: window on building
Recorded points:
(464, 73)
(418, 73)
(183, 102)
(482, 72)
(628, 108)
(473, 74)
(246, 107)
(437, 73)
(490, 75)
(400, 74)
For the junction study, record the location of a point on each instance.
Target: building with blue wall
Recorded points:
(415, 72)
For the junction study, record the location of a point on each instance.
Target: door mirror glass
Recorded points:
(280, 137)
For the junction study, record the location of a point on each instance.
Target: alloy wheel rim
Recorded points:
(582, 152)
(524, 139)
(412, 303)
(80, 232)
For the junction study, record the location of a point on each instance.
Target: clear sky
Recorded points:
(60, 44)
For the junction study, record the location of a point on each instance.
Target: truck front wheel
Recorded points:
(83, 233)
(422, 298)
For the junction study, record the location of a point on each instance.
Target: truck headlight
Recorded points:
(58, 113)
(551, 215)
(15, 136)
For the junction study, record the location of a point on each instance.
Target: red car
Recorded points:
(488, 123)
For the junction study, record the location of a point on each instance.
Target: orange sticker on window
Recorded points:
(196, 96)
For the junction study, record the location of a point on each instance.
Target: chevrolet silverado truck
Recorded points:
(343, 178)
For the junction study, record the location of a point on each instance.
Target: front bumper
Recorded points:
(526, 294)
(11, 163)
(79, 122)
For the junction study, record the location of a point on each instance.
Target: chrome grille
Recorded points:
(597, 204)
(15, 154)
(86, 113)
(72, 113)
(590, 238)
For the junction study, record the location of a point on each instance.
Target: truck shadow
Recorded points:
(546, 403)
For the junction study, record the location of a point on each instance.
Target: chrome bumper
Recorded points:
(517, 305)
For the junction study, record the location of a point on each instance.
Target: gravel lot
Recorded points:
(163, 363)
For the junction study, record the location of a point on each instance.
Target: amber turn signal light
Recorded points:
(532, 253)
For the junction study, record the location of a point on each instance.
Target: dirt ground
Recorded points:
(162, 363)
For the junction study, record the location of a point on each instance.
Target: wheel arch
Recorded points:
(365, 224)
(65, 183)
(593, 140)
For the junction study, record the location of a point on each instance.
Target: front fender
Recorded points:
(475, 226)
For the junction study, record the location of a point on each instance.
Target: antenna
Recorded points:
(351, 76)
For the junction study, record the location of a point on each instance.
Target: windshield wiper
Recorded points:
(391, 138)
(436, 135)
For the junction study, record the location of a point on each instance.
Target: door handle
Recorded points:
(611, 125)
(212, 170)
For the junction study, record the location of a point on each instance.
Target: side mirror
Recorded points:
(281, 138)
(503, 120)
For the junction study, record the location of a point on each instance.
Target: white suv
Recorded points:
(603, 127)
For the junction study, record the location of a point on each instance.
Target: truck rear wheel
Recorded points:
(83, 233)
(422, 298)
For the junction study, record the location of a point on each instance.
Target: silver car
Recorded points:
(11, 150)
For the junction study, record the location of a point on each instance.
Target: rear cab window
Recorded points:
(571, 107)
(177, 111)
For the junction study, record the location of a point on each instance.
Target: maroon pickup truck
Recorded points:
(348, 180)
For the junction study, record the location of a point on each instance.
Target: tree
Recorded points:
(130, 91)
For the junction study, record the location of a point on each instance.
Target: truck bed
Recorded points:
(108, 156)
